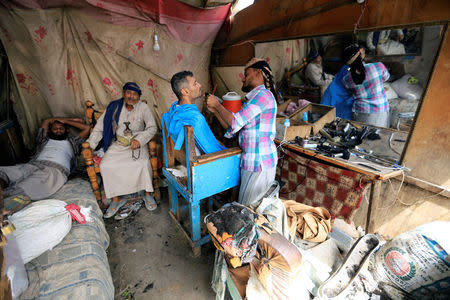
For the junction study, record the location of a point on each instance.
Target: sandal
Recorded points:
(150, 203)
(113, 208)
(126, 210)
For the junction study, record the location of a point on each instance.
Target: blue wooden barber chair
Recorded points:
(207, 175)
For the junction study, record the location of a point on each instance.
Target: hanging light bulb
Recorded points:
(156, 46)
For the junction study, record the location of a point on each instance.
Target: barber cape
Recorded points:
(338, 96)
(188, 114)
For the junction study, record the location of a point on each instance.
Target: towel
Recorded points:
(188, 114)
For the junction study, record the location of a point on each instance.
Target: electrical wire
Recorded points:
(360, 17)
(421, 199)
(398, 192)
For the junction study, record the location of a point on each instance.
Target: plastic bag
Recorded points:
(40, 227)
(417, 262)
(14, 267)
(406, 90)
(390, 92)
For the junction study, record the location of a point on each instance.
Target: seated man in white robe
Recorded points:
(126, 127)
(314, 71)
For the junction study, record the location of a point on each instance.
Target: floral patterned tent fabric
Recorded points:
(65, 52)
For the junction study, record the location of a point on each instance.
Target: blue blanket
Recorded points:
(337, 95)
(188, 114)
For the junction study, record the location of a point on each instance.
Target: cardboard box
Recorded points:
(289, 133)
(304, 129)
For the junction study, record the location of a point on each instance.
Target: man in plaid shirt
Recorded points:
(365, 82)
(255, 123)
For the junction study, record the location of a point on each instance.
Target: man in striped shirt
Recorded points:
(365, 82)
(255, 124)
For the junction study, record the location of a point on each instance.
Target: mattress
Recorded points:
(77, 268)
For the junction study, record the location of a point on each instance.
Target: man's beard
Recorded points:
(199, 98)
(246, 88)
(58, 137)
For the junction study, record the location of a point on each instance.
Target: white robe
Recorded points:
(314, 74)
(121, 173)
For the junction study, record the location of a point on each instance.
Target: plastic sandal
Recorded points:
(150, 203)
(128, 209)
(113, 208)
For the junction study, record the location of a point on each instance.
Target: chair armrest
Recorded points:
(206, 158)
(154, 164)
(87, 153)
(92, 172)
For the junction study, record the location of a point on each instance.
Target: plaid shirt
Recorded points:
(370, 96)
(256, 125)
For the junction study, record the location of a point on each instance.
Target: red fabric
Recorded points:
(316, 184)
(75, 212)
(97, 160)
(184, 22)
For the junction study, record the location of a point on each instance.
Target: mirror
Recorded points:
(399, 41)
(407, 53)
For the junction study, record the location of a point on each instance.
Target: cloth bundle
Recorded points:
(278, 265)
(247, 237)
(294, 106)
(310, 223)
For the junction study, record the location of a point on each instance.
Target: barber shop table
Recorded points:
(312, 175)
(207, 175)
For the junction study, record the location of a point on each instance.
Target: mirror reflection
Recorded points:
(398, 41)
(378, 81)
(379, 84)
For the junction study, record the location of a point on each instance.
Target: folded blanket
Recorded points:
(310, 223)
(188, 114)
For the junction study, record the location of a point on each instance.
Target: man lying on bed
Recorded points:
(55, 157)
(185, 112)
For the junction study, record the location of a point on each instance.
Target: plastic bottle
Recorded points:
(305, 117)
(286, 122)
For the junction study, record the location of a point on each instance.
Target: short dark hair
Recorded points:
(178, 80)
(58, 122)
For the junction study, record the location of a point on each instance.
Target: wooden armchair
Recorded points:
(207, 175)
(93, 170)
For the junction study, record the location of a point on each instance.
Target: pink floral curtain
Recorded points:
(64, 52)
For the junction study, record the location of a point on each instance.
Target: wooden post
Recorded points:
(90, 168)
(90, 113)
(154, 163)
(374, 204)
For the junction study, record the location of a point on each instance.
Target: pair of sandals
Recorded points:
(114, 207)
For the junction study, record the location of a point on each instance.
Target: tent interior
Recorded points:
(57, 56)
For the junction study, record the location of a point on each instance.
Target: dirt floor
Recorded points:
(151, 259)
